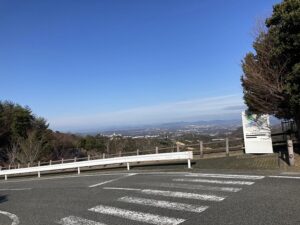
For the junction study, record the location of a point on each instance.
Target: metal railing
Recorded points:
(199, 149)
(186, 155)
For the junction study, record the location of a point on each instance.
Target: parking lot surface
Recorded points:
(162, 198)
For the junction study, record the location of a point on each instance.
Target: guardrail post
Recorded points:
(156, 150)
(201, 148)
(62, 160)
(5, 177)
(28, 165)
(39, 163)
(227, 147)
(89, 157)
(137, 152)
(39, 174)
(177, 147)
(75, 159)
(78, 170)
(120, 153)
(18, 165)
(9, 166)
(50, 162)
(291, 152)
(103, 155)
(128, 166)
(189, 164)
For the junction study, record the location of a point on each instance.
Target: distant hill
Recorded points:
(206, 127)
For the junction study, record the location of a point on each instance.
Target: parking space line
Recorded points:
(124, 189)
(174, 194)
(109, 181)
(74, 220)
(62, 177)
(15, 189)
(164, 204)
(215, 181)
(226, 176)
(137, 216)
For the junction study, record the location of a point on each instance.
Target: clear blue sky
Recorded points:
(99, 63)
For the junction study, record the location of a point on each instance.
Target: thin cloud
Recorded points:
(205, 108)
(235, 107)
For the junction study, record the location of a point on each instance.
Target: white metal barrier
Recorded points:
(188, 155)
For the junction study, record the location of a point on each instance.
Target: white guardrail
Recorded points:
(188, 155)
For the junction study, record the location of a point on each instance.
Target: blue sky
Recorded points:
(100, 63)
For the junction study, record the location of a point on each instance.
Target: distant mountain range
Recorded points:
(156, 129)
(202, 126)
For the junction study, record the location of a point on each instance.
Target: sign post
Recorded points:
(257, 133)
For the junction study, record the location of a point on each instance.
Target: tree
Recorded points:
(271, 75)
(31, 147)
(16, 124)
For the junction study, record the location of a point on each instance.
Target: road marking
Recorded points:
(74, 220)
(286, 177)
(164, 204)
(215, 181)
(175, 194)
(16, 189)
(195, 187)
(226, 176)
(137, 216)
(178, 194)
(124, 189)
(13, 217)
(109, 181)
(63, 177)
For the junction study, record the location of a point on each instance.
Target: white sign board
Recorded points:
(257, 133)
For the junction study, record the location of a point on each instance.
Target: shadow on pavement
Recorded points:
(3, 198)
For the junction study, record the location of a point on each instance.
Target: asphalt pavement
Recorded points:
(163, 198)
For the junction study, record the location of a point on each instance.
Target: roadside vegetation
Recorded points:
(271, 73)
(26, 138)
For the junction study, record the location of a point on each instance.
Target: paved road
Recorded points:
(152, 198)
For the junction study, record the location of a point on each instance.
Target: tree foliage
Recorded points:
(271, 75)
(18, 127)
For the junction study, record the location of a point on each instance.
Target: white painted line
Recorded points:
(178, 194)
(137, 216)
(124, 189)
(74, 220)
(285, 177)
(63, 177)
(215, 181)
(226, 176)
(16, 189)
(175, 194)
(13, 217)
(164, 204)
(109, 181)
(195, 187)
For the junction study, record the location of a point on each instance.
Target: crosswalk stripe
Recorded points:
(74, 220)
(215, 181)
(137, 216)
(164, 204)
(178, 194)
(285, 177)
(226, 176)
(175, 194)
(196, 187)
